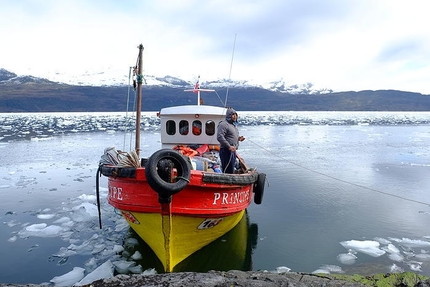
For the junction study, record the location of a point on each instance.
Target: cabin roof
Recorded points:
(192, 110)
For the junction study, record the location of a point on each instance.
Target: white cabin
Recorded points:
(190, 124)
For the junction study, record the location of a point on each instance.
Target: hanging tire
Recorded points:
(159, 167)
(259, 188)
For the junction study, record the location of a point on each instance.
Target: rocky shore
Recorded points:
(257, 279)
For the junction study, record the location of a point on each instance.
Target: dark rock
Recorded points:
(224, 279)
(236, 278)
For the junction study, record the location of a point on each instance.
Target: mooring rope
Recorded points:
(339, 179)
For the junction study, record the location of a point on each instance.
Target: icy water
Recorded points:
(347, 192)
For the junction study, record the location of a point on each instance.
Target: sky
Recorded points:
(341, 45)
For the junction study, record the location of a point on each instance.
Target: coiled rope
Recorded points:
(339, 179)
(111, 156)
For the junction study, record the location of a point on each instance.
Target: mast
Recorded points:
(198, 98)
(139, 79)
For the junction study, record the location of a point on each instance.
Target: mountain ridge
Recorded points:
(33, 94)
(170, 81)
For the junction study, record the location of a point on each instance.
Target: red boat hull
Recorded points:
(198, 198)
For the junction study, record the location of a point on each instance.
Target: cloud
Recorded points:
(342, 45)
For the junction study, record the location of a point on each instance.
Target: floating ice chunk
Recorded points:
(4, 186)
(68, 224)
(35, 246)
(382, 240)
(122, 266)
(396, 257)
(136, 269)
(411, 242)
(65, 252)
(368, 247)
(327, 269)
(62, 220)
(45, 216)
(150, 271)
(101, 248)
(396, 269)
(41, 230)
(118, 248)
(392, 249)
(66, 235)
(84, 212)
(69, 279)
(104, 271)
(91, 263)
(423, 256)
(136, 256)
(393, 252)
(87, 197)
(415, 266)
(347, 258)
(121, 225)
(25, 180)
(12, 239)
(321, 271)
(409, 253)
(282, 269)
(131, 242)
(332, 268)
(12, 223)
(41, 139)
(88, 247)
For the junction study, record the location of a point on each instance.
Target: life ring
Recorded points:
(259, 188)
(155, 171)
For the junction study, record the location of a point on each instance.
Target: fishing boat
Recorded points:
(178, 200)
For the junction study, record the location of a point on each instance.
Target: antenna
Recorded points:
(231, 67)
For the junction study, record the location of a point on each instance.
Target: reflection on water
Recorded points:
(232, 251)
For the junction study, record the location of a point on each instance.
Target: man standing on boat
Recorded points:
(228, 137)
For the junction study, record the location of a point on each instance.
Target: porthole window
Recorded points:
(210, 128)
(183, 127)
(170, 127)
(197, 128)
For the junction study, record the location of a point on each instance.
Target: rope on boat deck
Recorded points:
(111, 156)
(339, 179)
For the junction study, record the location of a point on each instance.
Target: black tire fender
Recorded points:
(183, 172)
(259, 188)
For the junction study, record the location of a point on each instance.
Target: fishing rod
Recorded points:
(338, 179)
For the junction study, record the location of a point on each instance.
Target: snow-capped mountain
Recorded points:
(110, 77)
(9, 78)
(100, 92)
